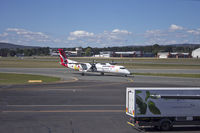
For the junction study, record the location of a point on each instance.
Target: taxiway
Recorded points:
(78, 104)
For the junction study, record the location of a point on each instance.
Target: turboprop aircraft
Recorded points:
(91, 67)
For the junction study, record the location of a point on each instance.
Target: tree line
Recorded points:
(154, 49)
(4, 52)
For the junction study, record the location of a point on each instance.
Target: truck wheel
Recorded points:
(156, 127)
(102, 73)
(165, 126)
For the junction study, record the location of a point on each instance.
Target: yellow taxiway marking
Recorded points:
(63, 111)
(35, 81)
(131, 80)
(130, 124)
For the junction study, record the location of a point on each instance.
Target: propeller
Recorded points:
(93, 66)
(113, 63)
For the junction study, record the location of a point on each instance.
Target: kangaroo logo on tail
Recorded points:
(63, 57)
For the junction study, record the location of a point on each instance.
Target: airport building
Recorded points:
(54, 52)
(125, 54)
(179, 55)
(196, 53)
(134, 54)
(77, 53)
(164, 55)
(108, 54)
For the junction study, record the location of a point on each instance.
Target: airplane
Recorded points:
(91, 67)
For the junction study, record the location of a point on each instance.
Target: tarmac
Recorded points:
(70, 75)
(79, 104)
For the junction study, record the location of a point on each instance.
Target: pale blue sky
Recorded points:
(99, 23)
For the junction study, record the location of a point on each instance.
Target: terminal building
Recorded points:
(77, 53)
(125, 54)
(108, 54)
(134, 54)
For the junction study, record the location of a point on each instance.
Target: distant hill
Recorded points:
(14, 46)
(173, 45)
(185, 45)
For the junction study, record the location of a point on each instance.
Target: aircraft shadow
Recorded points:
(105, 74)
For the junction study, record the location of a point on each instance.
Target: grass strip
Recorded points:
(12, 78)
(130, 63)
(169, 75)
(29, 64)
(159, 66)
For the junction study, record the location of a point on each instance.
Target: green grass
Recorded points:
(130, 63)
(12, 78)
(9, 62)
(140, 60)
(147, 63)
(169, 75)
(159, 66)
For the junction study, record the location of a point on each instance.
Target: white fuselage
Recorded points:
(100, 67)
(106, 67)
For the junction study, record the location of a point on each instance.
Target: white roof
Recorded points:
(129, 52)
(196, 50)
(163, 88)
(175, 53)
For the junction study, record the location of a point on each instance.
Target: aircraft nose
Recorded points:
(127, 72)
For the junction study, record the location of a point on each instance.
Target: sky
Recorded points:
(99, 23)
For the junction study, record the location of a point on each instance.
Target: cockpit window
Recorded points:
(122, 68)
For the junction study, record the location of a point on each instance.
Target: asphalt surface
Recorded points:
(80, 104)
(70, 75)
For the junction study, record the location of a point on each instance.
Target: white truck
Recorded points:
(163, 107)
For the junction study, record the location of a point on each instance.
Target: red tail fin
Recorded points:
(63, 57)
